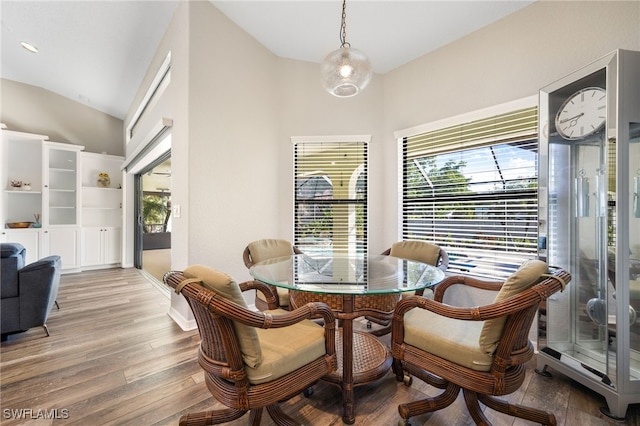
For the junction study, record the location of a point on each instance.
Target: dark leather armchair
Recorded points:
(27, 292)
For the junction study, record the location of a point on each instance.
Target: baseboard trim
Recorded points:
(184, 323)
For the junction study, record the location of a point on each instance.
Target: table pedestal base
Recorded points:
(371, 361)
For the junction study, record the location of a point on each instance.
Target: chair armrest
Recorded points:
(444, 260)
(270, 297)
(246, 258)
(246, 316)
(468, 281)
(42, 263)
(269, 320)
(532, 296)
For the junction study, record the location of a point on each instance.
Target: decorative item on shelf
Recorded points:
(18, 225)
(26, 186)
(104, 180)
(37, 223)
(16, 184)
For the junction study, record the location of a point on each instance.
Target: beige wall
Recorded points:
(233, 134)
(508, 60)
(31, 109)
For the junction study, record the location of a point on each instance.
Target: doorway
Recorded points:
(152, 245)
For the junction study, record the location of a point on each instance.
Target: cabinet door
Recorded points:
(64, 242)
(61, 185)
(112, 245)
(92, 246)
(29, 238)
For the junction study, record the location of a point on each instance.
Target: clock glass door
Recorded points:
(581, 226)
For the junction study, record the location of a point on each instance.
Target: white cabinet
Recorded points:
(65, 242)
(49, 197)
(101, 210)
(80, 219)
(30, 238)
(101, 246)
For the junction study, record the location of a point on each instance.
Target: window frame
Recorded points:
(352, 246)
(405, 210)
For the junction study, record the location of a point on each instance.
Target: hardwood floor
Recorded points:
(115, 357)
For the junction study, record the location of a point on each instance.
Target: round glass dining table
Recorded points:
(353, 286)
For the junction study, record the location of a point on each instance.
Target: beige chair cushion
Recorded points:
(269, 248)
(526, 276)
(634, 290)
(419, 251)
(225, 286)
(283, 296)
(451, 339)
(286, 349)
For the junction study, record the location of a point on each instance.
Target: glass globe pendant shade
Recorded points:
(345, 72)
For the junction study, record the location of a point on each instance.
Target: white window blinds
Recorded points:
(330, 197)
(472, 189)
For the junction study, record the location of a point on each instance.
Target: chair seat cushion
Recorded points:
(454, 340)
(283, 296)
(286, 349)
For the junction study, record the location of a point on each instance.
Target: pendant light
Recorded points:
(345, 71)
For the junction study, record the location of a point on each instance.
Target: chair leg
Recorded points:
(516, 410)
(279, 417)
(428, 405)
(255, 416)
(57, 306)
(212, 417)
(46, 329)
(471, 400)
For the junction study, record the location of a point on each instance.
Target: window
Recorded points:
(159, 84)
(331, 195)
(471, 188)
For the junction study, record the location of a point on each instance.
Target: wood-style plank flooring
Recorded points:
(115, 357)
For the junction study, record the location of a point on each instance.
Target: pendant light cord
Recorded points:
(343, 26)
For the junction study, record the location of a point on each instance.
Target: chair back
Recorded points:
(13, 259)
(220, 352)
(528, 274)
(267, 248)
(420, 251)
(514, 347)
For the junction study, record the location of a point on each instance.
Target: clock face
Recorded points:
(582, 114)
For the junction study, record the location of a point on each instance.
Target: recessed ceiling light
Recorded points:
(30, 47)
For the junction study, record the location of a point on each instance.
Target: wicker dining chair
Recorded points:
(253, 360)
(266, 249)
(481, 350)
(420, 251)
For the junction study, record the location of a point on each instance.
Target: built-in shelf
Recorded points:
(101, 188)
(100, 208)
(17, 191)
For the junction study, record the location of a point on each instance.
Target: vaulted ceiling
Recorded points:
(97, 52)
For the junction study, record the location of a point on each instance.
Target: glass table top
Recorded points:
(347, 274)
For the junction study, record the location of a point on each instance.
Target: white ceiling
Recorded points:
(97, 52)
